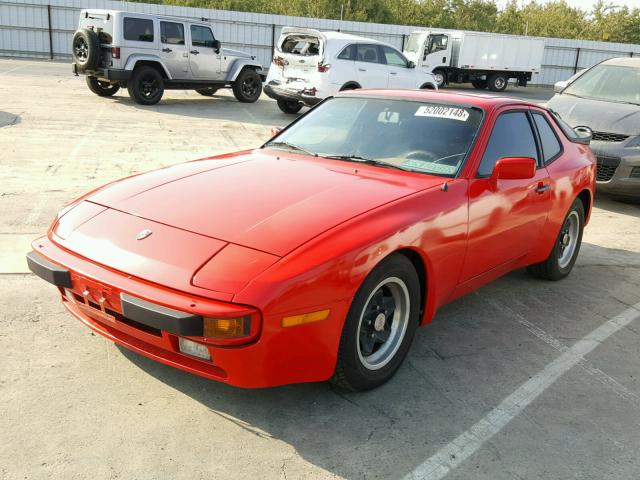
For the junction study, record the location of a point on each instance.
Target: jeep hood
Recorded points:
(600, 116)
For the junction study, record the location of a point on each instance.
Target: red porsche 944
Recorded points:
(318, 255)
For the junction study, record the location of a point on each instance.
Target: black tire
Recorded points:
(207, 92)
(553, 268)
(102, 87)
(289, 106)
(349, 86)
(440, 77)
(479, 84)
(85, 48)
(355, 366)
(497, 82)
(146, 86)
(248, 86)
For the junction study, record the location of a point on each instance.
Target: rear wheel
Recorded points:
(102, 87)
(479, 84)
(146, 86)
(207, 92)
(289, 106)
(380, 325)
(248, 86)
(440, 77)
(497, 82)
(563, 256)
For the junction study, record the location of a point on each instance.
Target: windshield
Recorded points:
(612, 83)
(416, 136)
(415, 42)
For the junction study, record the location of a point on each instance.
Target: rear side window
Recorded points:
(348, 53)
(550, 145)
(172, 33)
(368, 53)
(394, 58)
(201, 36)
(511, 137)
(138, 29)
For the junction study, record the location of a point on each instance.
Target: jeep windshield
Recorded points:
(424, 137)
(610, 83)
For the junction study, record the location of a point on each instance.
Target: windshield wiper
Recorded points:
(368, 161)
(291, 146)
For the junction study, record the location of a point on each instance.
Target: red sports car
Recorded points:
(317, 255)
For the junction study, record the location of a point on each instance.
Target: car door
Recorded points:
(204, 61)
(371, 69)
(506, 218)
(173, 49)
(400, 75)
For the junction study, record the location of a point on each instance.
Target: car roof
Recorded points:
(480, 100)
(623, 61)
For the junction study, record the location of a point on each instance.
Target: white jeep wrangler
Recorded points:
(149, 53)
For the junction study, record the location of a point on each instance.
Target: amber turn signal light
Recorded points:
(305, 318)
(226, 327)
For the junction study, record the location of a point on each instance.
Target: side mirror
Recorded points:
(513, 168)
(559, 86)
(216, 45)
(585, 135)
(411, 64)
(275, 131)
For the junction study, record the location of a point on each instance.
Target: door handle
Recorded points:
(194, 52)
(541, 188)
(393, 73)
(361, 70)
(167, 50)
(444, 59)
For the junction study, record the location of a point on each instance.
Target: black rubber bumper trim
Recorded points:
(162, 318)
(49, 271)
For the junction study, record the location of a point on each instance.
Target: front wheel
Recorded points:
(248, 86)
(563, 256)
(289, 106)
(146, 86)
(101, 87)
(440, 77)
(380, 325)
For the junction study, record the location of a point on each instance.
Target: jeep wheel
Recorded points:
(289, 106)
(248, 86)
(207, 92)
(85, 48)
(102, 87)
(146, 86)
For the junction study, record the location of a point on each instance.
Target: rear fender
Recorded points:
(134, 59)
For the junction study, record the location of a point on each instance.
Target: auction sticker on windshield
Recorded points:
(441, 111)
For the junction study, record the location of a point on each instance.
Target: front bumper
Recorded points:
(618, 168)
(110, 74)
(149, 319)
(279, 91)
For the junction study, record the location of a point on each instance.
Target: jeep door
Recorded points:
(371, 69)
(204, 60)
(173, 49)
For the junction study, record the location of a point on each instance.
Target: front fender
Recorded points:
(238, 64)
(134, 59)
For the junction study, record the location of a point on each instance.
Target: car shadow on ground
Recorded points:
(7, 119)
(476, 352)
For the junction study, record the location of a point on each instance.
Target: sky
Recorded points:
(587, 4)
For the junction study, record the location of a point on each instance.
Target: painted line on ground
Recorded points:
(465, 445)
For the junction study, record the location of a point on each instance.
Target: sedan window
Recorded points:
(348, 53)
(550, 145)
(369, 53)
(511, 137)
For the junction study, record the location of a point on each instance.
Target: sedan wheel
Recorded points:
(380, 326)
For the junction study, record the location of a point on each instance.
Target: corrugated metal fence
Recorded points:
(43, 29)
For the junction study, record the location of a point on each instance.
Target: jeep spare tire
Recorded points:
(85, 48)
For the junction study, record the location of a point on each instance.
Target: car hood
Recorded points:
(265, 200)
(598, 115)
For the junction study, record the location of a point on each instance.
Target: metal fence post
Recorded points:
(575, 67)
(50, 34)
(273, 39)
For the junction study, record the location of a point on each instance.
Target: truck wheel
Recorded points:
(479, 84)
(440, 77)
(85, 48)
(248, 86)
(101, 87)
(497, 82)
(146, 86)
(289, 106)
(207, 92)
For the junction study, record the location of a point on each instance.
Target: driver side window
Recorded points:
(437, 43)
(201, 36)
(511, 137)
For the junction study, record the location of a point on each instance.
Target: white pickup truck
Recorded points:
(487, 60)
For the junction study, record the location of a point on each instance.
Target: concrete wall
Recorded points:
(44, 28)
